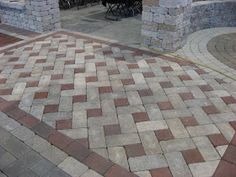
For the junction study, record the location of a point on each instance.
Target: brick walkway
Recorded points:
(120, 111)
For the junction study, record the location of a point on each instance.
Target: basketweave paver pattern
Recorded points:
(146, 113)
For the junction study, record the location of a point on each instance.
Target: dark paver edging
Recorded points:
(70, 146)
(227, 165)
(6, 39)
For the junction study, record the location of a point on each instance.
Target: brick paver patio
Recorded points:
(119, 111)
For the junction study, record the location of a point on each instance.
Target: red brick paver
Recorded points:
(164, 135)
(134, 150)
(161, 172)
(192, 156)
(6, 40)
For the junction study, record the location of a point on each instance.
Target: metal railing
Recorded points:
(67, 4)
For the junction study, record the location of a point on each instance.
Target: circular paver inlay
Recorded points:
(223, 48)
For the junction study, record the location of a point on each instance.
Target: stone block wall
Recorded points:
(167, 23)
(211, 14)
(34, 15)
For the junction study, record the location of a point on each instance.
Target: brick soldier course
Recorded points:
(117, 110)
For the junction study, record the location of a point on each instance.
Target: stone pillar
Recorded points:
(43, 15)
(165, 23)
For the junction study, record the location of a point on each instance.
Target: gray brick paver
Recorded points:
(79, 119)
(7, 123)
(176, 101)
(108, 107)
(206, 148)
(177, 145)
(96, 137)
(226, 130)
(204, 169)
(177, 128)
(150, 143)
(171, 114)
(77, 133)
(65, 104)
(22, 133)
(23, 160)
(101, 151)
(15, 147)
(143, 174)
(223, 117)
(200, 116)
(123, 139)
(73, 167)
(38, 144)
(91, 173)
(118, 155)
(6, 159)
(177, 165)
(102, 120)
(130, 109)
(57, 172)
(201, 130)
(57, 116)
(54, 155)
(127, 123)
(42, 167)
(151, 125)
(147, 162)
(134, 98)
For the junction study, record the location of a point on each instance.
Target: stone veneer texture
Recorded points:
(167, 23)
(213, 14)
(34, 15)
